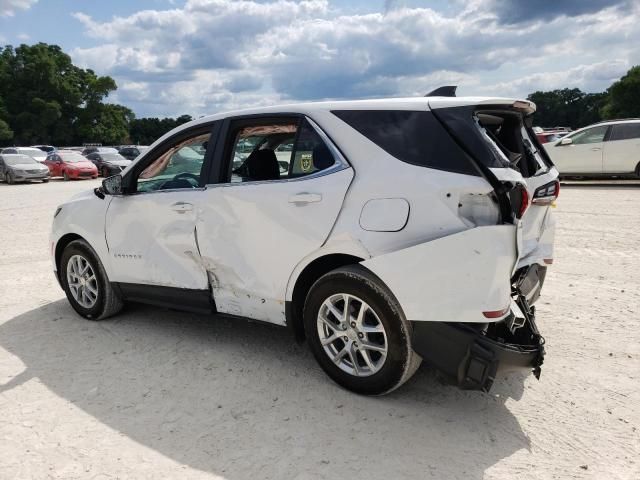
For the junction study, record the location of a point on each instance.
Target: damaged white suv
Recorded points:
(385, 232)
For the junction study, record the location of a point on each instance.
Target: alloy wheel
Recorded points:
(352, 335)
(82, 281)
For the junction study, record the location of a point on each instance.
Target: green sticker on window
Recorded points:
(305, 162)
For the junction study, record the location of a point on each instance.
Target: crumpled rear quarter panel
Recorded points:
(454, 278)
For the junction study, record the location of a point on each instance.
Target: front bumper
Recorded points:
(23, 176)
(77, 174)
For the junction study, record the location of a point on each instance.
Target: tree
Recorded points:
(47, 99)
(567, 107)
(5, 132)
(145, 131)
(623, 97)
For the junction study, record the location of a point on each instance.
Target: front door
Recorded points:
(150, 231)
(583, 154)
(283, 184)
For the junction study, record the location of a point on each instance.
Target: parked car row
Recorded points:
(21, 164)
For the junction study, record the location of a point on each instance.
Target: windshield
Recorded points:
(107, 150)
(73, 158)
(19, 160)
(32, 152)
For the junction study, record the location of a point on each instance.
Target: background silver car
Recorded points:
(21, 168)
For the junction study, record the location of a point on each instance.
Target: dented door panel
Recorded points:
(454, 278)
(252, 236)
(151, 239)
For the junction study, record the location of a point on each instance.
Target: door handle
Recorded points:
(595, 149)
(182, 207)
(304, 198)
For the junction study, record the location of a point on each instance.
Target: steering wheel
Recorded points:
(188, 176)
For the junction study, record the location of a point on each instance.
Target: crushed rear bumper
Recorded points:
(470, 354)
(471, 358)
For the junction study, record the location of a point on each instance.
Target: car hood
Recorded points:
(86, 164)
(28, 166)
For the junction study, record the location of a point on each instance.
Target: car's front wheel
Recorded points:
(357, 332)
(9, 178)
(65, 176)
(105, 172)
(86, 284)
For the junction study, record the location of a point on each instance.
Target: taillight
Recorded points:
(524, 204)
(546, 194)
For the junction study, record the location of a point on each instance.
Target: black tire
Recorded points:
(401, 361)
(9, 178)
(105, 172)
(638, 170)
(45, 180)
(65, 176)
(108, 302)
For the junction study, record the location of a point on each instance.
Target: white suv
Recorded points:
(382, 231)
(609, 148)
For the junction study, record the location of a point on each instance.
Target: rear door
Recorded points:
(281, 187)
(622, 148)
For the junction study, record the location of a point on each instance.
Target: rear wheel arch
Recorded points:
(307, 277)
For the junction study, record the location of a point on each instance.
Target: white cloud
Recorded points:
(8, 8)
(219, 54)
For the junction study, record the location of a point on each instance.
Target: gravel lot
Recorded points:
(161, 394)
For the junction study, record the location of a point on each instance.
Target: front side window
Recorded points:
(178, 167)
(591, 135)
(625, 131)
(276, 150)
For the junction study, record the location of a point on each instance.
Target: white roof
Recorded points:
(408, 103)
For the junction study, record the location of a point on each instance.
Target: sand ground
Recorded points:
(160, 394)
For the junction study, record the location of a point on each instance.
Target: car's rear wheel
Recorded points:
(65, 176)
(357, 332)
(86, 284)
(45, 180)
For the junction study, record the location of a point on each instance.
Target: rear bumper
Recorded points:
(470, 354)
(470, 358)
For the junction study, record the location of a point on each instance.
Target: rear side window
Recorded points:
(415, 137)
(625, 131)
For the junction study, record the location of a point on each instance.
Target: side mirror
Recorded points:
(565, 141)
(112, 185)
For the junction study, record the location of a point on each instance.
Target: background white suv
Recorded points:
(382, 231)
(606, 148)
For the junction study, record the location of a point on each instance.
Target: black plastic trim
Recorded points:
(469, 358)
(190, 300)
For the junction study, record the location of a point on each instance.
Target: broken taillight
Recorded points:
(546, 194)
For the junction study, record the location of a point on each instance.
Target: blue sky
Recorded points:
(171, 57)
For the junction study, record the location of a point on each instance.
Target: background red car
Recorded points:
(70, 164)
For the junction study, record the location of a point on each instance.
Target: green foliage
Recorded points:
(48, 99)
(145, 131)
(569, 107)
(5, 132)
(623, 97)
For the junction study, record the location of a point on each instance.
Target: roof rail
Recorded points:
(615, 120)
(445, 91)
